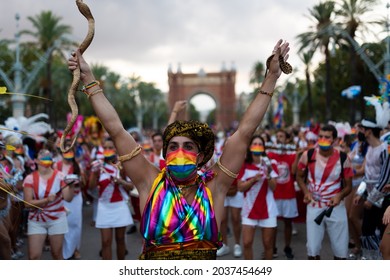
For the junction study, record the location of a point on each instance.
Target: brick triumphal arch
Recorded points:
(220, 86)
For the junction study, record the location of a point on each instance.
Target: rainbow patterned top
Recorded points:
(169, 219)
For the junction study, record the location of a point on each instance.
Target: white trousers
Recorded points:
(336, 227)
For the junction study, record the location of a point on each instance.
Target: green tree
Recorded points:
(318, 38)
(48, 31)
(351, 15)
(306, 58)
(193, 113)
(256, 77)
(152, 105)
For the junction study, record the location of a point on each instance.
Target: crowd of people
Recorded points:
(189, 185)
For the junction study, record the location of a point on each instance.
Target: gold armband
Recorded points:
(130, 155)
(226, 171)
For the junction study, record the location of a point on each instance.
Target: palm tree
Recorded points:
(318, 38)
(351, 13)
(49, 32)
(256, 78)
(306, 57)
(257, 74)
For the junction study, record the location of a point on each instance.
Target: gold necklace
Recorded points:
(185, 190)
(185, 187)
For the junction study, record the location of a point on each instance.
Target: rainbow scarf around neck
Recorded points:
(168, 218)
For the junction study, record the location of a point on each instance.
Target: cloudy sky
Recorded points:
(144, 37)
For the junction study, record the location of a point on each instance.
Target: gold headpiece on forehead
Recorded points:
(198, 132)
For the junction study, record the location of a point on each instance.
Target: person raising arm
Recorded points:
(178, 199)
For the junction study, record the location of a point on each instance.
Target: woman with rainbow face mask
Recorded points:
(73, 174)
(257, 181)
(183, 207)
(45, 191)
(113, 213)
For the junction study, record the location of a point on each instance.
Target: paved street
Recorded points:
(91, 243)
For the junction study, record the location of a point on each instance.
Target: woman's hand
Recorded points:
(77, 60)
(281, 48)
(357, 199)
(386, 216)
(180, 106)
(308, 197)
(51, 197)
(335, 200)
(96, 165)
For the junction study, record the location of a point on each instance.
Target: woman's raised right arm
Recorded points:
(140, 170)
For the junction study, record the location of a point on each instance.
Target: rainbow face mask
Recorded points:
(69, 155)
(181, 164)
(46, 161)
(324, 144)
(109, 154)
(257, 150)
(19, 151)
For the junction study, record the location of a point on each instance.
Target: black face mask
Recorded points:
(361, 137)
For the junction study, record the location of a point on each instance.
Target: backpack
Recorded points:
(343, 157)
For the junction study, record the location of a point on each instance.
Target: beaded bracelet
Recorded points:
(90, 85)
(270, 94)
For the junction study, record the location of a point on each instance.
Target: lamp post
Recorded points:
(134, 80)
(386, 57)
(18, 85)
(139, 113)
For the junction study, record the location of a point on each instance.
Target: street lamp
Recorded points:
(17, 85)
(139, 110)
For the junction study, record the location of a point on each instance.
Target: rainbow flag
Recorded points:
(278, 116)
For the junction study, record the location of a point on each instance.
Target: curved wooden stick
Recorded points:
(85, 11)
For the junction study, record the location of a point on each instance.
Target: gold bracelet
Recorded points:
(99, 90)
(130, 155)
(270, 94)
(226, 171)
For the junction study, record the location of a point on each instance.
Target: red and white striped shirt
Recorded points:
(110, 192)
(43, 188)
(259, 202)
(324, 175)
